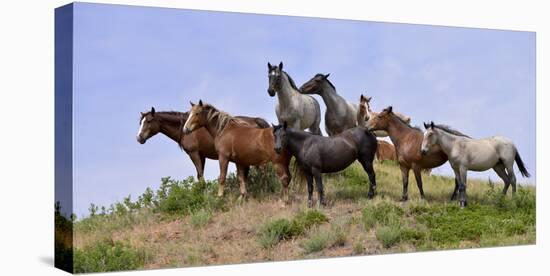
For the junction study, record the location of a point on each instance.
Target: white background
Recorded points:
(27, 135)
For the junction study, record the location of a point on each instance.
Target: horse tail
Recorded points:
(261, 122)
(521, 166)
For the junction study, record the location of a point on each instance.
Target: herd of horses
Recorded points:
(208, 132)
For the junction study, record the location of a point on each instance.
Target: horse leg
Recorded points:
(319, 181)
(405, 176)
(418, 178)
(223, 172)
(283, 174)
(203, 165)
(462, 176)
(367, 166)
(511, 176)
(309, 178)
(455, 192)
(501, 172)
(196, 159)
(242, 172)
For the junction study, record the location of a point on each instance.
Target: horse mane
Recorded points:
(292, 83)
(450, 130)
(407, 124)
(330, 83)
(224, 118)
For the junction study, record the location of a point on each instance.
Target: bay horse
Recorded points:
(239, 143)
(317, 154)
(340, 114)
(299, 111)
(385, 151)
(408, 141)
(465, 153)
(199, 145)
(365, 112)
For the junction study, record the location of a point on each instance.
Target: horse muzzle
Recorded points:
(186, 130)
(141, 140)
(271, 92)
(278, 150)
(424, 151)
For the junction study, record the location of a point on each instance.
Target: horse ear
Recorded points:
(362, 97)
(285, 125)
(281, 66)
(389, 109)
(369, 98)
(432, 125)
(142, 114)
(200, 102)
(153, 111)
(269, 66)
(326, 76)
(192, 104)
(272, 125)
(426, 126)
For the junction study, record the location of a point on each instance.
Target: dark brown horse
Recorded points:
(408, 142)
(199, 145)
(316, 154)
(239, 143)
(385, 151)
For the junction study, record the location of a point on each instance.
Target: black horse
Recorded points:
(317, 154)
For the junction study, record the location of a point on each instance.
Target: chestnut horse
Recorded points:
(199, 145)
(385, 151)
(364, 112)
(408, 141)
(236, 142)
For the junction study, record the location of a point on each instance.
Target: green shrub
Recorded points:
(358, 248)
(200, 218)
(187, 196)
(108, 256)
(317, 242)
(261, 182)
(382, 214)
(388, 235)
(309, 218)
(278, 230)
(275, 231)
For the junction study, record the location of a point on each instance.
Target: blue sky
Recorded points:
(127, 59)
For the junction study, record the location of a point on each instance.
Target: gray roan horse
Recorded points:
(299, 111)
(465, 153)
(340, 114)
(317, 154)
(199, 144)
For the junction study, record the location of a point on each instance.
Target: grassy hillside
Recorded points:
(184, 224)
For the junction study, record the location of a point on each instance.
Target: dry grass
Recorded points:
(231, 236)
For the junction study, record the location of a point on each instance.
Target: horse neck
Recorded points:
(294, 140)
(446, 141)
(397, 130)
(212, 126)
(330, 97)
(287, 92)
(169, 126)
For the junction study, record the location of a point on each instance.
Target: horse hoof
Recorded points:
(404, 199)
(370, 195)
(463, 204)
(309, 204)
